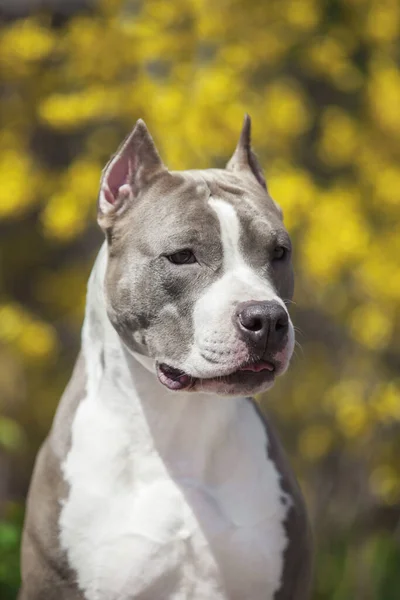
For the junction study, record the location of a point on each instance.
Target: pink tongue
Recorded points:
(258, 367)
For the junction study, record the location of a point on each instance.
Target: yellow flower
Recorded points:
(315, 441)
(82, 181)
(32, 337)
(67, 111)
(384, 482)
(325, 54)
(328, 56)
(63, 216)
(384, 96)
(37, 340)
(26, 40)
(382, 23)
(333, 242)
(352, 418)
(387, 185)
(345, 401)
(371, 324)
(17, 183)
(347, 391)
(379, 278)
(294, 190)
(386, 402)
(12, 321)
(339, 139)
(303, 15)
(285, 111)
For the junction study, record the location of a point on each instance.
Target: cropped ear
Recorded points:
(243, 158)
(131, 168)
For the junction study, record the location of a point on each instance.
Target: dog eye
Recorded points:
(279, 253)
(183, 257)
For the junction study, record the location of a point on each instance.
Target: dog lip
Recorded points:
(171, 371)
(174, 379)
(258, 366)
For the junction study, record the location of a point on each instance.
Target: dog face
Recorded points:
(199, 269)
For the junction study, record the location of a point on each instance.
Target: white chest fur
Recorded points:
(171, 496)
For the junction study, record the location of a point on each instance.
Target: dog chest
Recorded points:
(135, 526)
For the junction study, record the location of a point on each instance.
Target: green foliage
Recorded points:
(10, 539)
(322, 84)
(345, 568)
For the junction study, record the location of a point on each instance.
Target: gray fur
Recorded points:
(175, 210)
(45, 571)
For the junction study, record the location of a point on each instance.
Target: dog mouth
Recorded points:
(173, 379)
(176, 380)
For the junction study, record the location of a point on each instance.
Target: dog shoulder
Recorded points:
(297, 571)
(44, 568)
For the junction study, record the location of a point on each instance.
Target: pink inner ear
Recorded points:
(118, 175)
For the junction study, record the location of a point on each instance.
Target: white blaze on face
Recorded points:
(230, 233)
(217, 348)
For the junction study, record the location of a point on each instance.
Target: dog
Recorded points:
(160, 479)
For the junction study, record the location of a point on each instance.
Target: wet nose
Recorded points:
(262, 323)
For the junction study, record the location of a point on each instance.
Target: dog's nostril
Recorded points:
(252, 323)
(280, 324)
(256, 325)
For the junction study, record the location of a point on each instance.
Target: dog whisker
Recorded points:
(299, 346)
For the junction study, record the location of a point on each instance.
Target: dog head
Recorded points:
(199, 268)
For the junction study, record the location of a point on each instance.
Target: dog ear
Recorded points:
(243, 158)
(131, 168)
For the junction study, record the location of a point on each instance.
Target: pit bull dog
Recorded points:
(160, 479)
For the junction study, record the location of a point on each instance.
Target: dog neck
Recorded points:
(180, 427)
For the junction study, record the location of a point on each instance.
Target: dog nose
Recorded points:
(262, 323)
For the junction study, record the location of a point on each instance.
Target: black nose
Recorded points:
(262, 324)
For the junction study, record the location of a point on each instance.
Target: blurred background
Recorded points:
(321, 80)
